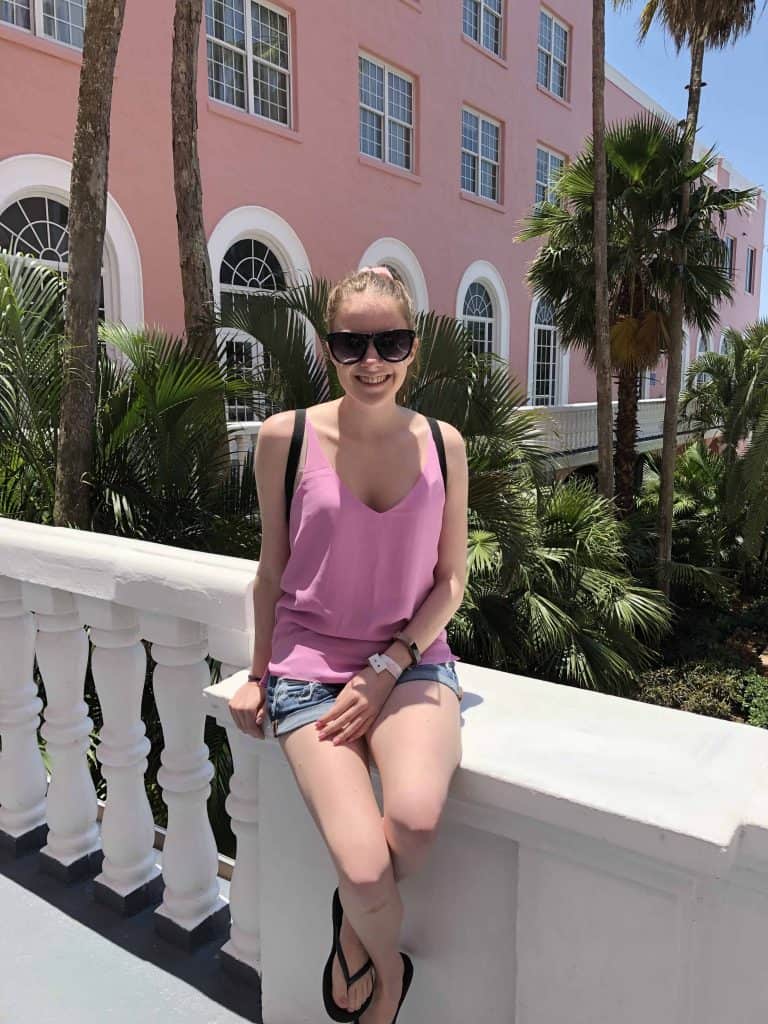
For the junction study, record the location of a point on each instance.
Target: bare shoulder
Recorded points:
(278, 426)
(453, 440)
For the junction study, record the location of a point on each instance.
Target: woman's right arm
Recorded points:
(247, 705)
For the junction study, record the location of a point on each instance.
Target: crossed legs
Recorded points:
(416, 744)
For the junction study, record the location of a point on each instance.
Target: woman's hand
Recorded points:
(356, 707)
(248, 707)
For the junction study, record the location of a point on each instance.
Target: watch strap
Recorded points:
(413, 649)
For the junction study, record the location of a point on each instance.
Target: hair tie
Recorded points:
(382, 271)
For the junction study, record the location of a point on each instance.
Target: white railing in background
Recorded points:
(569, 430)
(599, 859)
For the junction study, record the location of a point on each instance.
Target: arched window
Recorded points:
(248, 268)
(38, 227)
(479, 317)
(702, 346)
(547, 383)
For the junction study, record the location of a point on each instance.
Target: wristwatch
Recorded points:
(413, 649)
(383, 662)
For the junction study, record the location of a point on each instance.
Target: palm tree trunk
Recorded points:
(602, 339)
(87, 225)
(676, 316)
(196, 280)
(626, 440)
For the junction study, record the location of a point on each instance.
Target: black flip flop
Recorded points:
(407, 979)
(334, 1011)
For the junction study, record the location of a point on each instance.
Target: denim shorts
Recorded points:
(295, 702)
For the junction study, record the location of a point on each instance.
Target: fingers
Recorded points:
(247, 722)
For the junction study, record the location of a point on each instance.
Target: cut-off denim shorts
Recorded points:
(295, 702)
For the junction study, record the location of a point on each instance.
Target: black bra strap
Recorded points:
(293, 458)
(437, 435)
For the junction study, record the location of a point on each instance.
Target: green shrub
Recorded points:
(756, 700)
(711, 687)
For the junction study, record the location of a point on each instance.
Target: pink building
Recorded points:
(333, 135)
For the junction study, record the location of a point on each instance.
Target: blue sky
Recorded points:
(733, 109)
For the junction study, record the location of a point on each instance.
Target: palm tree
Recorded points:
(698, 24)
(87, 224)
(602, 345)
(645, 165)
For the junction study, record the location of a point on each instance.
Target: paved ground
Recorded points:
(65, 959)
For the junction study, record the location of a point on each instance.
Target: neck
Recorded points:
(366, 423)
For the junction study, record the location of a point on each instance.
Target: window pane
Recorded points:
(545, 31)
(560, 43)
(371, 134)
(541, 192)
(488, 180)
(542, 70)
(64, 20)
(489, 141)
(471, 19)
(225, 20)
(399, 145)
(470, 130)
(270, 93)
(400, 98)
(494, 5)
(16, 12)
(270, 36)
(491, 32)
(558, 78)
(371, 84)
(226, 75)
(469, 172)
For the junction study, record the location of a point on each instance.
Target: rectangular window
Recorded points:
(386, 113)
(730, 255)
(16, 12)
(249, 57)
(64, 20)
(749, 283)
(480, 155)
(548, 166)
(481, 21)
(552, 68)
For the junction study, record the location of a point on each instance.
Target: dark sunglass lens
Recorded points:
(394, 345)
(346, 347)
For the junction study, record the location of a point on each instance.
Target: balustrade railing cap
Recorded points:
(209, 588)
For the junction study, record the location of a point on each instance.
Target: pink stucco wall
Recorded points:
(336, 201)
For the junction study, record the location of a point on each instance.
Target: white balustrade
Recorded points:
(23, 780)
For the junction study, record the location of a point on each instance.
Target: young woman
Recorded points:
(350, 657)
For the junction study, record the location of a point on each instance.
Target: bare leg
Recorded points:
(336, 786)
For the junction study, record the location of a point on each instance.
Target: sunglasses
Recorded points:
(350, 346)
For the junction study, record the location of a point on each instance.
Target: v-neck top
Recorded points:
(354, 576)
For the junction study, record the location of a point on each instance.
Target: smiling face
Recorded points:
(370, 311)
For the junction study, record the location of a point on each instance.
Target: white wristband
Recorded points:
(380, 662)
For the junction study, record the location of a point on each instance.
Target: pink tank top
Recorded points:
(354, 576)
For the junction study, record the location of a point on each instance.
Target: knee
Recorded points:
(364, 868)
(413, 820)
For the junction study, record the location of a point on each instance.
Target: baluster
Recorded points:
(241, 955)
(23, 778)
(73, 847)
(192, 909)
(130, 877)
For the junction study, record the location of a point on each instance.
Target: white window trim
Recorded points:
(553, 58)
(751, 252)
(36, 26)
(250, 60)
(36, 175)
(730, 243)
(550, 153)
(563, 369)
(487, 275)
(482, 4)
(478, 156)
(389, 69)
(392, 250)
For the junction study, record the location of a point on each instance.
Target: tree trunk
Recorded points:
(676, 316)
(87, 224)
(196, 281)
(626, 441)
(602, 338)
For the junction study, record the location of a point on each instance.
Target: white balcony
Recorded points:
(569, 430)
(599, 861)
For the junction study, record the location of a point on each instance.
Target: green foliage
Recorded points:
(711, 688)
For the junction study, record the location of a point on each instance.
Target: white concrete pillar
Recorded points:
(23, 780)
(192, 908)
(130, 877)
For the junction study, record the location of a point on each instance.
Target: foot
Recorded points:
(355, 955)
(386, 996)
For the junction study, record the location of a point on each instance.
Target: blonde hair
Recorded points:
(381, 281)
